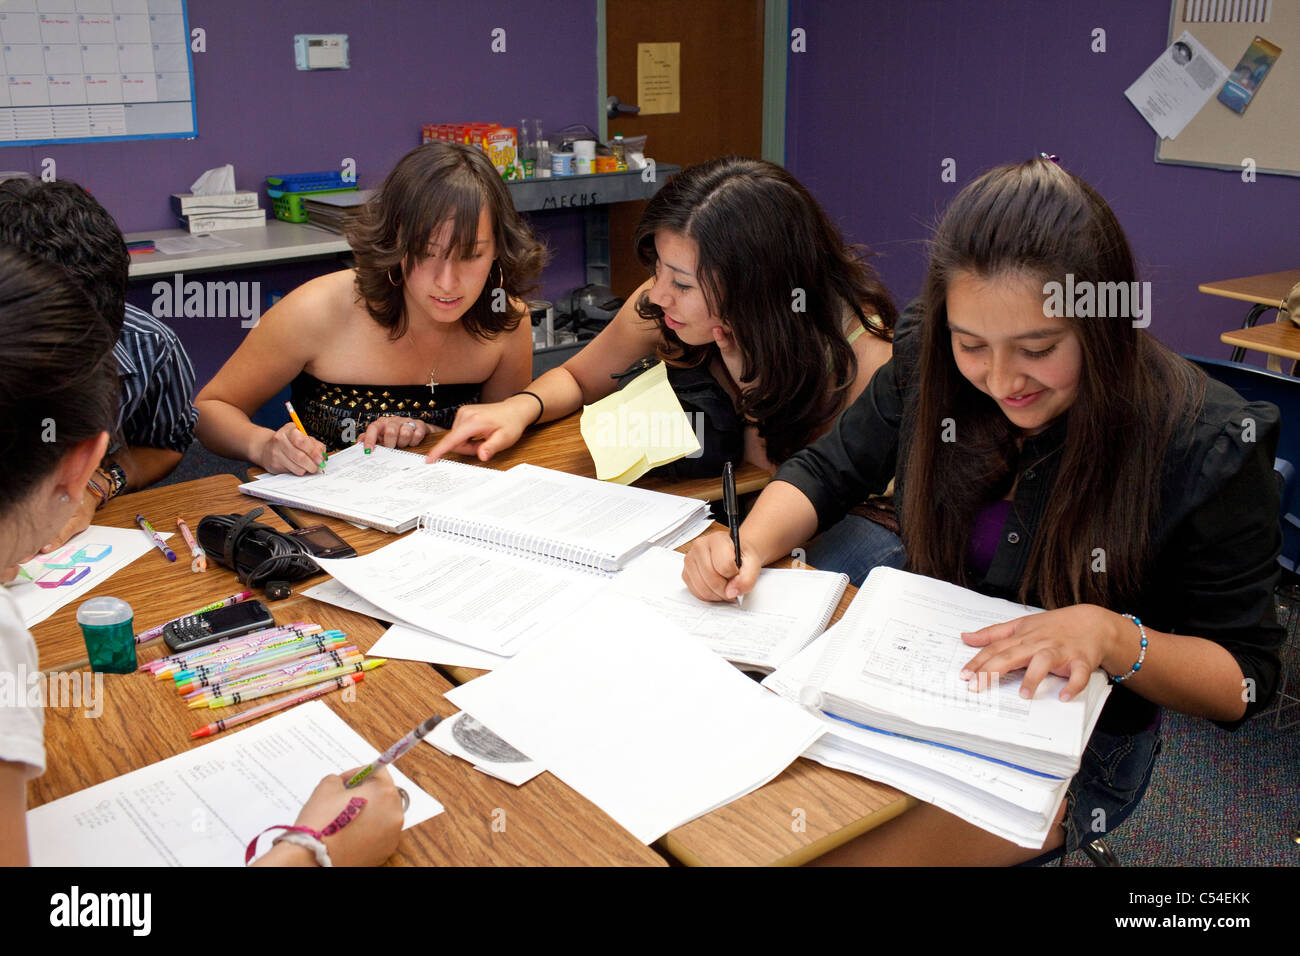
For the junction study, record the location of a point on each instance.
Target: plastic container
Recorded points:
(561, 164)
(288, 205)
(309, 182)
(110, 639)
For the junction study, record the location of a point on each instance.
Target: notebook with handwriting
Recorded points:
(388, 489)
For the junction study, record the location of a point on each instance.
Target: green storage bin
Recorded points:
(288, 205)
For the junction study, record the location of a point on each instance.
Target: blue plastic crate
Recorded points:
(310, 182)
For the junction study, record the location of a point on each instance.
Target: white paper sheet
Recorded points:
(464, 737)
(785, 611)
(639, 718)
(184, 245)
(82, 564)
(201, 808)
(403, 641)
(478, 596)
(1175, 87)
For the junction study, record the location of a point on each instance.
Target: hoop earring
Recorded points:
(389, 276)
(502, 273)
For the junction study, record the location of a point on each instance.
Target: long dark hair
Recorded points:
(430, 185)
(58, 377)
(1038, 221)
(776, 270)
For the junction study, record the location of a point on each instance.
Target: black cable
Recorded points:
(257, 553)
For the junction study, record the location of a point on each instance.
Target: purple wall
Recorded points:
(412, 63)
(887, 90)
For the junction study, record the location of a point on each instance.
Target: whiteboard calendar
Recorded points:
(77, 71)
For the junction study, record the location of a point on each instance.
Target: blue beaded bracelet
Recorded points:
(1142, 654)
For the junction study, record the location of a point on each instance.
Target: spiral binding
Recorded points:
(520, 543)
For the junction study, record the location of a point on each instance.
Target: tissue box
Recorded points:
(188, 204)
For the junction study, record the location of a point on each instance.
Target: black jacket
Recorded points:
(1215, 542)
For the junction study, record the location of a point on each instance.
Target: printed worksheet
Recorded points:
(486, 598)
(49, 581)
(201, 808)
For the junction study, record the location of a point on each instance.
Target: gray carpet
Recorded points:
(1220, 798)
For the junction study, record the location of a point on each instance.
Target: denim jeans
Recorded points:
(1112, 779)
(854, 547)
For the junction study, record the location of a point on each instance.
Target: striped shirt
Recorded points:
(157, 382)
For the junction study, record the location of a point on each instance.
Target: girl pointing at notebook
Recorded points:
(752, 286)
(1070, 463)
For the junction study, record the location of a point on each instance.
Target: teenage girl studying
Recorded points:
(751, 282)
(58, 364)
(431, 319)
(1024, 442)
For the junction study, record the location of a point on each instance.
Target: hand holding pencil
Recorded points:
(291, 450)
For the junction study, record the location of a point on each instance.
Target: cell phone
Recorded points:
(322, 542)
(195, 630)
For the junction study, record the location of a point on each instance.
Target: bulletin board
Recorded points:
(87, 71)
(1269, 130)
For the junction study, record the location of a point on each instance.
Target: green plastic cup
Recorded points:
(110, 638)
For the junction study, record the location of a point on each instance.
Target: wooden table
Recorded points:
(805, 812)
(1264, 292)
(143, 721)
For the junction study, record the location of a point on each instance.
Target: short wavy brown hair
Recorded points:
(430, 185)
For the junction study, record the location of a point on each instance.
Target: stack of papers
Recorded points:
(885, 681)
(639, 718)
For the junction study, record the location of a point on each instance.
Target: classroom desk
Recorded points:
(805, 812)
(1264, 292)
(277, 241)
(1276, 339)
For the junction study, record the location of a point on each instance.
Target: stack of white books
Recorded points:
(886, 682)
(237, 210)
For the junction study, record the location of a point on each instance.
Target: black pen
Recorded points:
(733, 515)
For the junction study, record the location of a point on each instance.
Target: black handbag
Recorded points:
(719, 429)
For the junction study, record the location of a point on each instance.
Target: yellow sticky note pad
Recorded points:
(638, 428)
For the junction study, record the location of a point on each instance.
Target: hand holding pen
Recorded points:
(732, 508)
(395, 751)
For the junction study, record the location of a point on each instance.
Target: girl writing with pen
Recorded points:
(1066, 462)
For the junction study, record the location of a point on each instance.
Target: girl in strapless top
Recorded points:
(432, 318)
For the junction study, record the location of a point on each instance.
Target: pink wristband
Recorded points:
(334, 826)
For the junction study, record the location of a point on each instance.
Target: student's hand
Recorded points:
(710, 568)
(732, 357)
(290, 451)
(393, 432)
(1070, 642)
(483, 430)
(8, 574)
(371, 836)
(78, 523)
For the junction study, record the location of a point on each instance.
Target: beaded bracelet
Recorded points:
(309, 838)
(1142, 654)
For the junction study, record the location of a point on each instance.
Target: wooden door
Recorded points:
(721, 78)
